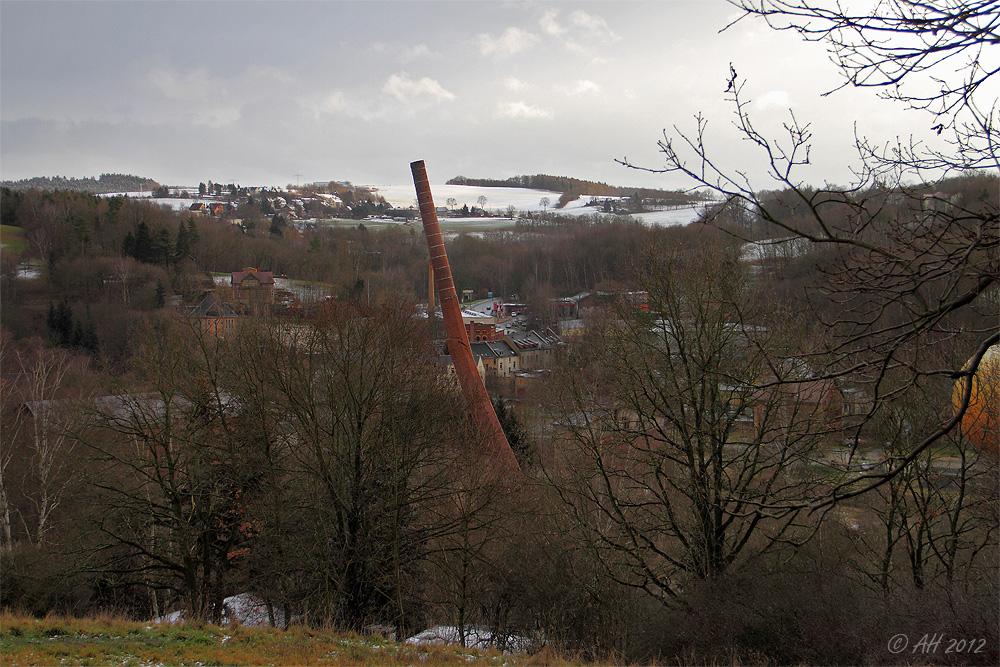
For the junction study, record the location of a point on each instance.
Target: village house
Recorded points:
(572, 328)
(800, 397)
(535, 349)
(816, 400)
(448, 368)
(938, 202)
(498, 357)
(253, 287)
(216, 317)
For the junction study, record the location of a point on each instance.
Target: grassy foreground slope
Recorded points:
(102, 641)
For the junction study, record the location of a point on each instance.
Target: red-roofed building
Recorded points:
(253, 287)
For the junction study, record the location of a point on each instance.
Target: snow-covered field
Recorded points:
(173, 202)
(523, 200)
(669, 218)
(498, 200)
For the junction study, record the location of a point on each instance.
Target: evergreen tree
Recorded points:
(89, 342)
(183, 246)
(524, 450)
(192, 234)
(143, 248)
(161, 294)
(60, 323)
(358, 288)
(77, 338)
(163, 247)
(64, 321)
(9, 201)
(88, 338)
(278, 224)
(128, 245)
(50, 318)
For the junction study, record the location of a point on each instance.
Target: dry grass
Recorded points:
(12, 239)
(112, 641)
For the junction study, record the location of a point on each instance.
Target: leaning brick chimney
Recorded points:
(472, 385)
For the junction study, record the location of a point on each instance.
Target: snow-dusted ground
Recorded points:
(134, 195)
(498, 200)
(784, 248)
(475, 637)
(523, 200)
(175, 204)
(29, 271)
(669, 218)
(246, 609)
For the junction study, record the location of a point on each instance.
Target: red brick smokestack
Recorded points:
(458, 340)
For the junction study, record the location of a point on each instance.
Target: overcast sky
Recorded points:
(272, 93)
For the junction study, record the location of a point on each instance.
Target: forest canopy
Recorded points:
(105, 184)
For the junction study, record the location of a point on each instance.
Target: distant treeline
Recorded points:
(571, 188)
(105, 184)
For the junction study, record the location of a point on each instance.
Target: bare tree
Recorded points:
(933, 524)
(358, 406)
(172, 472)
(930, 56)
(463, 556)
(6, 453)
(915, 266)
(6, 533)
(45, 415)
(677, 439)
(124, 271)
